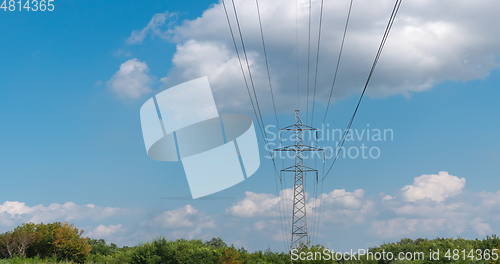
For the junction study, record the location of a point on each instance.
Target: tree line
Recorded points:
(64, 243)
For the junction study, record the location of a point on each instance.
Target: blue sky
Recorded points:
(68, 136)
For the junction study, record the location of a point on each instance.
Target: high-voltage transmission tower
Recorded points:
(299, 220)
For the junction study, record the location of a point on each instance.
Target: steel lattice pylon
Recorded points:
(299, 217)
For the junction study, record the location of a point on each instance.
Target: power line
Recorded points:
(248, 65)
(297, 53)
(317, 62)
(253, 88)
(384, 38)
(317, 196)
(377, 57)
(241, 65)
(308, 61)
(338, 61)
(256, 113)
(267, 64)
(275, 112)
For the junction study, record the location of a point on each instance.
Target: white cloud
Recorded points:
(481, 228)
(344, 198)
(105, 231)
(135, 226)
(435, 187)
(14, 208)
(338, 206)
(428, 45)
(259, 204)
(400, 218)
(426, 209)
(344, 207)
(422, 210)
(14, 213)
(185, 222)
(386, 197)
(132, 80)
(212, 59)
(182, 217)
(401, 227)
(257, 215)
(430, 219)
(490, 200)
(158, 26)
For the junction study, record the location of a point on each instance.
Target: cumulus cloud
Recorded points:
(182, 217)
(430, 219)
(435, 187)
(400, 227)
(184, 222)
(132, 80)
(383, 217)
(14, 208)
(481, 228)
(422, 209)
(339, 205)
(490, 200)
(401, 218)
(13, 213)
(105, 231)
(429, 44)
(260, 204)
(158, 26)
(135, 226)
(270, 213)
(344, 198)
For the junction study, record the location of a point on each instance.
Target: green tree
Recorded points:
(146, 254)
(17, 242)
(69, 243)
(216, 242)
(43, 246)
(230, 256)
(100, 247)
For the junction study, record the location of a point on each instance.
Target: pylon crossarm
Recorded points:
(308, 168)
(287, 148)
(298, 169)
(289, 127)
(298, 148)
(289, 168)
(308, 148)
(298, 127)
